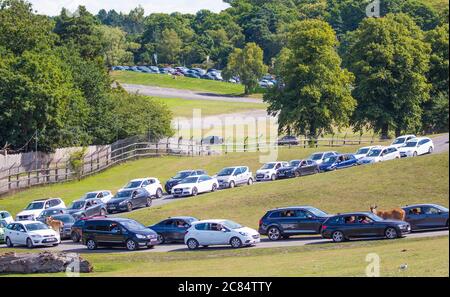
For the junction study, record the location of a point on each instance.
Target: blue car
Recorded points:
(172, 229)
(338, 162)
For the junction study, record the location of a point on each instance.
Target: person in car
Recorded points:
(363, 220)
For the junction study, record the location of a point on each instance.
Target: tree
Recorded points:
(169, 48)
(390, 60)
(248, 64)
(313, 93)
(117, 48)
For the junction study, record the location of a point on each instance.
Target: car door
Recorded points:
(205, 184)
(114, 233)
(179, 227)
(416, 217)
(434, 218)
(238, 175)
(168, 229)
(21, 234)
(304, 223)
(287, 220)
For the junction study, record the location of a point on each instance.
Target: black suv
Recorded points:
(111, 232)
(173, 181)
(284, 222)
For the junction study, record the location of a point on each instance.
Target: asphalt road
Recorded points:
(441, 143)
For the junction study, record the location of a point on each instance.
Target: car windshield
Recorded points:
(36, 226)
(330, 159)
(226, 172)
(35, 205)
(182, 175)
(316, 157)
(444, 209)
(123, 194)
(294, 163)
(133, 226)
(374, 153)
(317, 212)
(362, 151)
(65, 219)
(411, 144)
(90, 195)
(399, 140)
(133, 184)
(268, 166)
(77, 205)
(5, 215)
(231, 225)
(51, 212)
(189, 180)
(374, 217)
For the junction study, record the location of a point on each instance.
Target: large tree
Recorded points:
(313, 94)
(390, 60)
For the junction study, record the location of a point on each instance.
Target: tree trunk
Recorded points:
(398, 132)
(385, 131)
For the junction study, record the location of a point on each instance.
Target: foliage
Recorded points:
(76, 160)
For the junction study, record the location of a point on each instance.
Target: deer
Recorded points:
(394, 214)
(54, 224)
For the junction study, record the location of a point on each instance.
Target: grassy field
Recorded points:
(438, 4)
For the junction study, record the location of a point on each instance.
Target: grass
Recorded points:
(437, 4)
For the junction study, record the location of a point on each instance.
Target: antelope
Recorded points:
(394, 214)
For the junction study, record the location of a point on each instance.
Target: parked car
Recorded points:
(298, 168)
(288, 140)
(173, 229)
(34, 209)
(417, 147)
(127, 200)
(234, 176)
(285, 222)
(76, 229)
(321, 156)
(67, 223)
(269, 171)
(50, 212)
(362, 152)
(6, 216)
(87, 208)
(173, 181)
(151, 184)
(220, 232)
(338, 162)
(193, 185)
(31, 234)
(117, 232)
(362, 225)
(3, 225)
(380, 154)
(401, 140)
(426, 216)
(104, 195)
(212, 140)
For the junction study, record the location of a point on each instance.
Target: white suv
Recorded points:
(380, 154)
(233, 176)
(31, 234)
(269, 171)
(402, 140)
(416, 147)
(34, 209)
(151, 184)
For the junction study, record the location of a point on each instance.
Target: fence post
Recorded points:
(17, 181)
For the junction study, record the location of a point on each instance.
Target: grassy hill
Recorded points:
(438, 4)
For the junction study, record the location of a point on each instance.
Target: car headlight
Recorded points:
(243, 233)
(141, 236)
(36, 236)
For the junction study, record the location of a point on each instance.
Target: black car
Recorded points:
(298, 168)
(426, 216)
(87, 208)
(362, 225)
(173, 181)
(173, 229)
(127, 200)
(288, 140)
(77, 227)
(117, 232)
(67, 222)
(284, 222)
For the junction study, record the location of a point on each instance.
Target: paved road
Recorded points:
(441, 143)
(185, 94)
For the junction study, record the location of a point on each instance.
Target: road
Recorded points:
(441, 143)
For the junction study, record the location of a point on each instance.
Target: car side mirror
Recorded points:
(224, 230)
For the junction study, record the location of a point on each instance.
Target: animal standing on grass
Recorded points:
(394, 214)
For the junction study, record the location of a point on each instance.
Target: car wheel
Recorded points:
(129, 207)
(273, 177)
(159, 193)
(415, 154)
(75, 237)
(338, 236)
(297, 174)
(91, 244)
(9, 243)
(150, 247)
(316, 171)
(391, 233)
(235, 242)
(149, 202)
(194, 192)
(161, 238)
(274, 233)
(232, 184)
(131, 245)
(430, 150)
(29, 243)
(214, 188)
(192, 244)
(250, 182)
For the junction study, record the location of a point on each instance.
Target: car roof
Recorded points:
(291, 207)
(142, 178)
(110, 219)
(407, 135)
(210, 221)
(27, 222)
(423, 204)
(180, 218)
(354, 213)
(417, 139)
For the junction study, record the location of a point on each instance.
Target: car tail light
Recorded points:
(260, 222)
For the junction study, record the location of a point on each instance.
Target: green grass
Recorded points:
(438, 4)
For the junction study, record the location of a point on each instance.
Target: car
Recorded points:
(346, 226)
(6, 216)
(220, 232)
(173, 181)
(212, 140)
(193, 185)
(298, 168)
(200, 71)
(34, 209)
(50, 212)
(3, 225)
(265, 83)
(321, 156)
(117, 232)
(288, 140)
(417, 147)
(401, 140)
(362, 152)
(67, 221)
(172, 229)
(104, 195)
(192, 74)
(151, 184)
(338, 162)
(31, 234)
(380, 154)
(129, 199)
(285, 222)
(76, 228)
(269, 171)
(426, 216)
(234, 176)
(87, 208)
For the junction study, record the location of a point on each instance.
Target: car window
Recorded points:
(100, 195)
(106, 194)
(300, 214)
(350, 220)
(430, 210)
(145, 183)
(215, 227)
(415, 211)
(168, 223)
(238, 171)
(200, 172)
(201, 227)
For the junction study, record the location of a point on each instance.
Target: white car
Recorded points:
(233, 176)
(321, 156)
(151, 184)
(6, 217)
(417, 147)
(103, 195)
(269, 171)
(193, 185)
(34, 209)
(31, 234)
(380, 154)
(402, 140)
(220, 232)
(362, 152)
